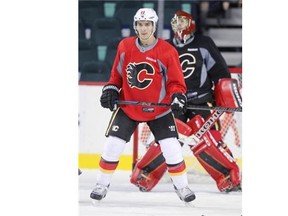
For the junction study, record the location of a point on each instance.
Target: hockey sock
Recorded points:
(110, 158)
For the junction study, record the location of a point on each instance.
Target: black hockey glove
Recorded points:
(110, 93)
(179, 103)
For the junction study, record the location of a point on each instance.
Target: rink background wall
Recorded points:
(93, 120)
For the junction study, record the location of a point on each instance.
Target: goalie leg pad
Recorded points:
(149, 169)
(215, 160)
(218, 138)
(183, 128)
(223, 170)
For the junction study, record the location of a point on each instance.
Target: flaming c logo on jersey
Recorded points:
(188, 62)
(133, 75)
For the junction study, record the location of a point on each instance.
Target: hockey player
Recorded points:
(203, 66)
(143, 72)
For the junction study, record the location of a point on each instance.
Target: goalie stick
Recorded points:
(196, 107)
(209, 122)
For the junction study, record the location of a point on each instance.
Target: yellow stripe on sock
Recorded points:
(177, 174)
(91, 161)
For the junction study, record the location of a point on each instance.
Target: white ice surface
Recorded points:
(124, 199)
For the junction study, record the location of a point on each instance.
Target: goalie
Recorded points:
(203, 66)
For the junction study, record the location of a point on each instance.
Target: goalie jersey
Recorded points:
(146, 74)
(202, 66)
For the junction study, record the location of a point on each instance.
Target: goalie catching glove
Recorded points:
(110, 93)
(179, 103)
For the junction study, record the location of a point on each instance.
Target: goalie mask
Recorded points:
(183, 25)
(145, 14)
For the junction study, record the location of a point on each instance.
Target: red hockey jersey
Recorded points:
(146, 74)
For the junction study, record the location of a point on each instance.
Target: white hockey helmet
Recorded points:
(146, 14)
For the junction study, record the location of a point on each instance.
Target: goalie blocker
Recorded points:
(219, 163)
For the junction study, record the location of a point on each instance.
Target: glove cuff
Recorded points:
(179, 94)
(110, 87)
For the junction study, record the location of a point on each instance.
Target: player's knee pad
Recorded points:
(172, 151)
(215, 160)
(149, 169)
(113, 148)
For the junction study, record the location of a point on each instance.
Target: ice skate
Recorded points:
(99, 192)
(185, 194)
(237, 188)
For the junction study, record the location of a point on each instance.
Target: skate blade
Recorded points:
(189, 204)
(95, 202)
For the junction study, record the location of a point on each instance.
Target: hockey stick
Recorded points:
(195, 107)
